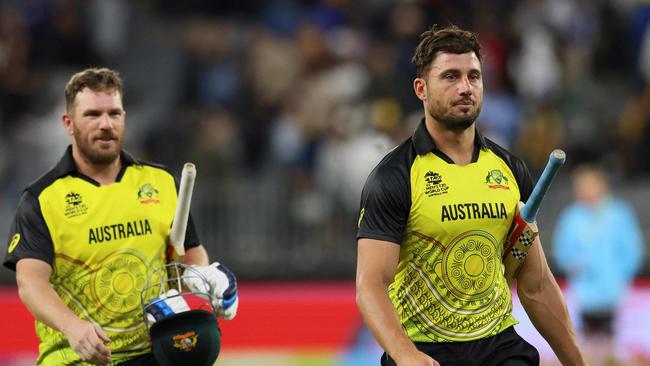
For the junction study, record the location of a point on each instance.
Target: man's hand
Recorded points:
(415, 358)
(88, 341)
(222, 286)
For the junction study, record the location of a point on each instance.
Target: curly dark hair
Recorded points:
(450, 39)
(96, 79)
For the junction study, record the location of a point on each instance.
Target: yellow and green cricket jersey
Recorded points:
(101, 241)
(451, 222)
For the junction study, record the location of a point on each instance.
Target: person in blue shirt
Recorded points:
(599, 246)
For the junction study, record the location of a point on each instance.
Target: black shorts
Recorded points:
(598, 323)
(504, 349)
(143, 360)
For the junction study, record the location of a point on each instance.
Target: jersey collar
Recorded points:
(424, 144)
(66, 165)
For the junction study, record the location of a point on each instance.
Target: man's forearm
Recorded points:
(382, 320)
(45, 304)
(547, 311)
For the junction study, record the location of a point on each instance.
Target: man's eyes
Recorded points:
(95, 114)
(473, 77)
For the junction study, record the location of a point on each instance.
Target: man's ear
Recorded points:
(420, 88)
(67, 123)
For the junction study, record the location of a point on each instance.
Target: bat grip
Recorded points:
(179, 225)
(530, 209)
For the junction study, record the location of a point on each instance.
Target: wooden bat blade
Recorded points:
(517, 228)
(179, 225)
(524, 229)
(519, 251)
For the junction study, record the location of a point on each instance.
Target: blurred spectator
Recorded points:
(110, 20)
(213, 71)
(15, 74)
(541, 132)
(356, 146)
(500, 118)
(639, 29)
(598, 245)
(633, 135)
(217, 147)
(64, 38)
(535, 67)
(644, 56)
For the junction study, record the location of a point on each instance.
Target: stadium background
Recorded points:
(285, 106)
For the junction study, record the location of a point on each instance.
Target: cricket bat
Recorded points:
(524, 225)
(179, 225)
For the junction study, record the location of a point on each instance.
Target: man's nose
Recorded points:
(105, 122)
(465, 87)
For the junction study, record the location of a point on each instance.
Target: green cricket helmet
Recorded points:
(183, 325)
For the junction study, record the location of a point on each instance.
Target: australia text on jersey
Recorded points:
(462, 211)
(119, 231)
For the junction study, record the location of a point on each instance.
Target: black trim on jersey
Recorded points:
(125, 163)
(519, 169)
(159, 166)
(424, 144)
(386, 196)
(422, 139)
(67, 166)
(35, 241)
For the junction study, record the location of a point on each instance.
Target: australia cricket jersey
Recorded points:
(451, 222)
(101, 241)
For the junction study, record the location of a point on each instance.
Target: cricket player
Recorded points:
(435, 213)
(87, 233)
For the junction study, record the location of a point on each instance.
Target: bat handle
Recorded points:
(555, 161)
(179, 225)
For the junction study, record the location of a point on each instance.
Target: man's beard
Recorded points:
(98, 156)
(451, 122)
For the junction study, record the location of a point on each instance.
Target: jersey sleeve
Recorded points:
(524, 179)
(29, 236)
(385, 205)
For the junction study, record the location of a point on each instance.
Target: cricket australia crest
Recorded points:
(186, 341)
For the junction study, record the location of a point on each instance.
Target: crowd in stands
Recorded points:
(314, 93)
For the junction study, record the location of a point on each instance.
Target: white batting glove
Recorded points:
(222, 286)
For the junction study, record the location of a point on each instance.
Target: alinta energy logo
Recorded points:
(495, 179)
(74, 205)
(434, 184)
(148, 194)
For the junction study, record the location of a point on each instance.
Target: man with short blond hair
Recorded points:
(88, 232)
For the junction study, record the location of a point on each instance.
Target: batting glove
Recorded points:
(222, 286)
